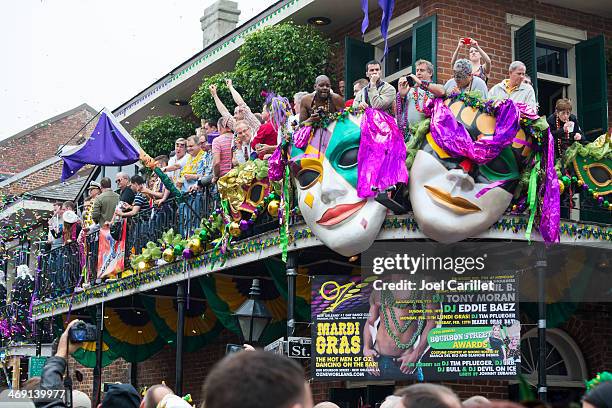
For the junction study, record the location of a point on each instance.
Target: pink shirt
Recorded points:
(222, 145)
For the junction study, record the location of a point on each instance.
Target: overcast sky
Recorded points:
(58, 54)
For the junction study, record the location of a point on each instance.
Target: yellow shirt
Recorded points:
(510, 89)
(192, 164)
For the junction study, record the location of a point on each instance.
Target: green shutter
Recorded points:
(424, 42)
(356, 56)
(592, 86)
(525, 50)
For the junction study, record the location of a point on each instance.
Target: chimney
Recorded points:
(219, 18)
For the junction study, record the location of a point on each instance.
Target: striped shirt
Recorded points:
(222, 145)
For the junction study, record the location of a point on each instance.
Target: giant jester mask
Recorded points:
(335, 169)
(463, 178)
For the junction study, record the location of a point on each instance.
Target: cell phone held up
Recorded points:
(81, 332)
(411, 81)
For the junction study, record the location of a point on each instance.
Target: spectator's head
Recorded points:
(239, 113)
(462, 72)
(31, 384)
(94, 189)
(225, 124)
(105, 183)
(80, 399)
(57, 208)
(180, 147)
(209, 126)
(137, 183)
(424, 70)
(154, 395)
(358, 85)
(121, 395)
(244, 131)
(204, 143)
(477, 401)
(322, 87)
(326, 404)
(563, 109)
(297, 101)
(527, 80)
(516, 73)
(123, 180)
(68, 206)
(474, 54)
(193, 147)
(162, 160)
(373, 67)
(392, 401)
(427, 395)
(599, 397)
(341, 88)
(257, 379)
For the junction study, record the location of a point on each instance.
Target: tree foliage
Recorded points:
(283, 58)
(157, 134)
(202, 102)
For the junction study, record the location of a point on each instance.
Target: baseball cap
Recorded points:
(121, 396)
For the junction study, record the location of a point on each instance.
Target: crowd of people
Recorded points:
(261, 379)
(219, 145)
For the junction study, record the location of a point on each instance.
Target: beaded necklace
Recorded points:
(560, 140)
(387, 305)
(415, 96)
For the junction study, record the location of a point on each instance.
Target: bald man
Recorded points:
(321, 102)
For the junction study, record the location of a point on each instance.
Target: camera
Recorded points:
(410, 81)
(233, 348)
(320, 111)
(466, 41)
(81, 332)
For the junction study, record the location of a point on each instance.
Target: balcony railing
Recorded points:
(64, 269)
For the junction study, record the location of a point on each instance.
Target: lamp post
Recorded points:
(253, 315)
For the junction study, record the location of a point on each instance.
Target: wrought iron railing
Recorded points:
(62, 269)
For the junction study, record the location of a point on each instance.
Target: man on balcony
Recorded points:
(141, 202)
(378, 94)
(104, 204)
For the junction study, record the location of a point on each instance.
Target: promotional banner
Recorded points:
(111, 252)
(404, 326)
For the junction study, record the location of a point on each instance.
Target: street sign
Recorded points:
(276, 347)
(299, 347)
(35, 366)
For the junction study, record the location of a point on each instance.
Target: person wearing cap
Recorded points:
(93, 191)
(121, 395)
(72, 226)
(464, 81)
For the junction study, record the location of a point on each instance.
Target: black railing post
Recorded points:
(291, 278)
(180, 332)
(97, 372)
(541, 266)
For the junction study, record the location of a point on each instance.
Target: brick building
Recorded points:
(565, 57)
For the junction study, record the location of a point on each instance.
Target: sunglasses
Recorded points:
(180, 145)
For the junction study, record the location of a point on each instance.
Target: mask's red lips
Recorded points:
(340, 213)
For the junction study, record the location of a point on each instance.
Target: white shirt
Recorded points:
(175, 175)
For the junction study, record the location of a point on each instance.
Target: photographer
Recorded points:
(52, 377)
(414, 93)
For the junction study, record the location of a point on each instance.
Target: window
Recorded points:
(399, 56)
(551, 60)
